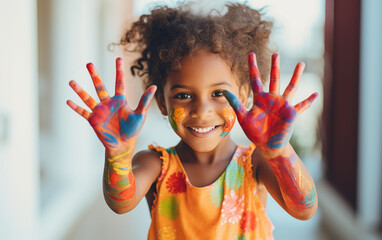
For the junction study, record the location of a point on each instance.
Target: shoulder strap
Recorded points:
(246, 156)
(165, 159)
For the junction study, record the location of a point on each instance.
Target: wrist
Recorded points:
(271, 153)
(115, 153)
(122, 157)
(121, 164)
(123, 148)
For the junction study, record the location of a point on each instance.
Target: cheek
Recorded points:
(229, 116)
(175, 117)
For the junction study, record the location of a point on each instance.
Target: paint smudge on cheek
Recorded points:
(229, 117)
(176, 115)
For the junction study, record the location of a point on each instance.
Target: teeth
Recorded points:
(202, 130)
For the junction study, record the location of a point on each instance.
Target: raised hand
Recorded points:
(269, 122)
(115, 124)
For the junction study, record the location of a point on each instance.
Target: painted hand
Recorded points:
(112, 119)
(269, 122)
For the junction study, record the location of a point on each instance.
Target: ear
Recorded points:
(161, 103)
(243, 94)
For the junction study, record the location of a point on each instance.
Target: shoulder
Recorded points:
(147, 156)
(148, 160)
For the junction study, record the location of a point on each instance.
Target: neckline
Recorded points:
(210, 185)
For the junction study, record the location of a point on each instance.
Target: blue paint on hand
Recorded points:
(131, 126)
(111, 141)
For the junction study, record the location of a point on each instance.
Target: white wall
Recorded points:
(69, 163)
(18, 107)
(63, 148)
(72, 157)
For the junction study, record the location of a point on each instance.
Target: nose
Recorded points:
(201, 109)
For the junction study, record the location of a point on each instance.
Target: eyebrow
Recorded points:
(178, 86)
(212, 85)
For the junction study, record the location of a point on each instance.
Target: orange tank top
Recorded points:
(227, 209)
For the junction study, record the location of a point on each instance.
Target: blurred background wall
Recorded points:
(51, 162)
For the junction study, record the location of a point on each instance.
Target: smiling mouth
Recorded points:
(203, 130)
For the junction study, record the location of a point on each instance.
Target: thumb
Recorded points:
(236, 105)
(146, 99)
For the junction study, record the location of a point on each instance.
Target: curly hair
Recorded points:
(167, 35)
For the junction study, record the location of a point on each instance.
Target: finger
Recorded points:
(78, 109)
(254, 74)
(86, 98)
(98, 84)
(236, 105)
(302, 106)
(146, 99)
(293, 84)
(120, 79)
(274, 86)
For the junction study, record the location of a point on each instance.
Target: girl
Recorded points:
(206, 187)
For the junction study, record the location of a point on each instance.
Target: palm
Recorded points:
(105, 121)
(112, 120)
(269, 122)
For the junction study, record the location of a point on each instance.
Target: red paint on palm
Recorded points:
(269, 122)
(116, 125)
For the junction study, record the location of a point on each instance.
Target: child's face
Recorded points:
(198, 111)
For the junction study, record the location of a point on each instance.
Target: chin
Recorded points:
(202, 146)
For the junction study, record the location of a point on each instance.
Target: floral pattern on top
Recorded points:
(167, 233)
(176, 183)
(235, 175)
(248, 221)
(232, 208)
(169, 208)
(217, 190)
(241, 237)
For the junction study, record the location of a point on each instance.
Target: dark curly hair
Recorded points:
(166, 35)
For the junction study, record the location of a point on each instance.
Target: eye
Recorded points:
(182, 96)
(218, 93)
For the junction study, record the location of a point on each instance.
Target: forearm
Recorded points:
(119, 181)
(295, 183)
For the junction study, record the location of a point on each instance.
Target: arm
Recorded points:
(123, 190)
(268, 124)
(118, 127)
(289, 182)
